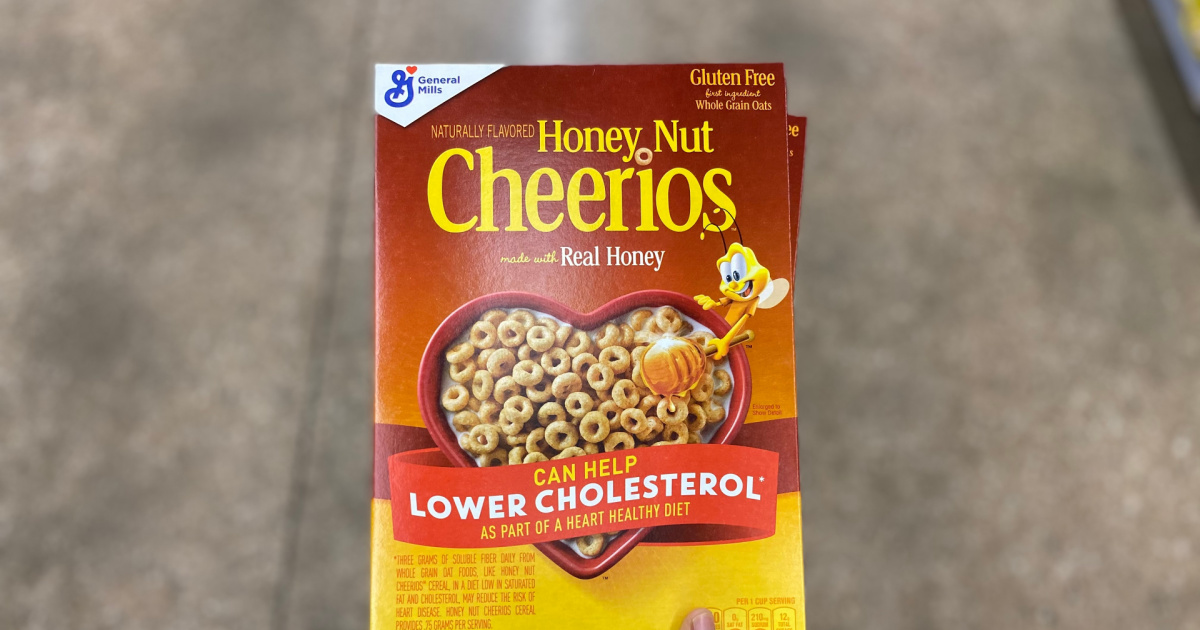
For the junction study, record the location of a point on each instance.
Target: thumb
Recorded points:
(699, 619)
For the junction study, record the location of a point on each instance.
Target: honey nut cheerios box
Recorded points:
(585, 406)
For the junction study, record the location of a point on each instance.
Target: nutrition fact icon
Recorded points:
(755, 619)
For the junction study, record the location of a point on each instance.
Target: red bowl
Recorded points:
(429, 383)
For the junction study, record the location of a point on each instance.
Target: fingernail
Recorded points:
(703, 620)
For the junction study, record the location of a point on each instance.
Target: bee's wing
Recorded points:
(774, 294)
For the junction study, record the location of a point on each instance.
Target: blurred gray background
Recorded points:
(998, 305)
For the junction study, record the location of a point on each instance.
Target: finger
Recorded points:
(699, 619)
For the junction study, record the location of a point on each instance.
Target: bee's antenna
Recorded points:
(736, 228)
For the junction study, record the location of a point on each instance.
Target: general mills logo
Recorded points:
(402, 94)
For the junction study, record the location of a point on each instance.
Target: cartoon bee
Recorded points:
(746, 286)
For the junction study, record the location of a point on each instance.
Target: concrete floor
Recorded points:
(998, 304)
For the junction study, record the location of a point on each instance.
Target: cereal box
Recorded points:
(585, 411)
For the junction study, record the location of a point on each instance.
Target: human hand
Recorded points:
(699, 619)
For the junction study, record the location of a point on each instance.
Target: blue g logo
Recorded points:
(402, 94)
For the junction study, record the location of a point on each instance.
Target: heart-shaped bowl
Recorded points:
(429, 384)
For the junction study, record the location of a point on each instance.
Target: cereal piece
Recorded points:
(679, 416)
(510, 423)
(551, 412)
(484, 438)
(561, 435)
(482, 385)
(539, 392)
(612, 412)
(579, 404)
(483, 335)
(555, 361)
(511, 333)
(519, 407)
(591, 449)
(455, 398)
(697, 418)
(625, 394)
(704, 388)
(506, 387)
(463, 441)
(474, 404)
(533, 458)
(604, 395)
(591, 545)
(674, 434)
(565, 384)
(569, 452)
(489, 412)
(522, 317)
(462, 371)
(578, 343)
(460, 352)
(645, 337)
(723, 383)
(525, 353)
(498, 457)
(536, 442)
(635, 421)
(702, 337)
(627, 336)
(562, 334)
(540, 338)
(618, 441)
(685, 329)
(516, 455)
(716, 413)
(609, 335)
(547, 323)
(694, 437)
(501, 362)
(527, 373)
(616, 358)
(594, 427)
(668, 320)
(636, 375)
(600, 376)
(649, 403)
(481, 359)
(464, 420)
(582, 362)
(651, 433)
(640, 318)
(494, 316)
(516, 440)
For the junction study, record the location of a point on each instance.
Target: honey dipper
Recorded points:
(674, 365)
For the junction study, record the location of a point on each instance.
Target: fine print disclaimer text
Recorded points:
(462, 590)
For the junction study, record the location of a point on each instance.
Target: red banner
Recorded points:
(437, 505)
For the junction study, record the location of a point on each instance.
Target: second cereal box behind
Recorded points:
(585, 407)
